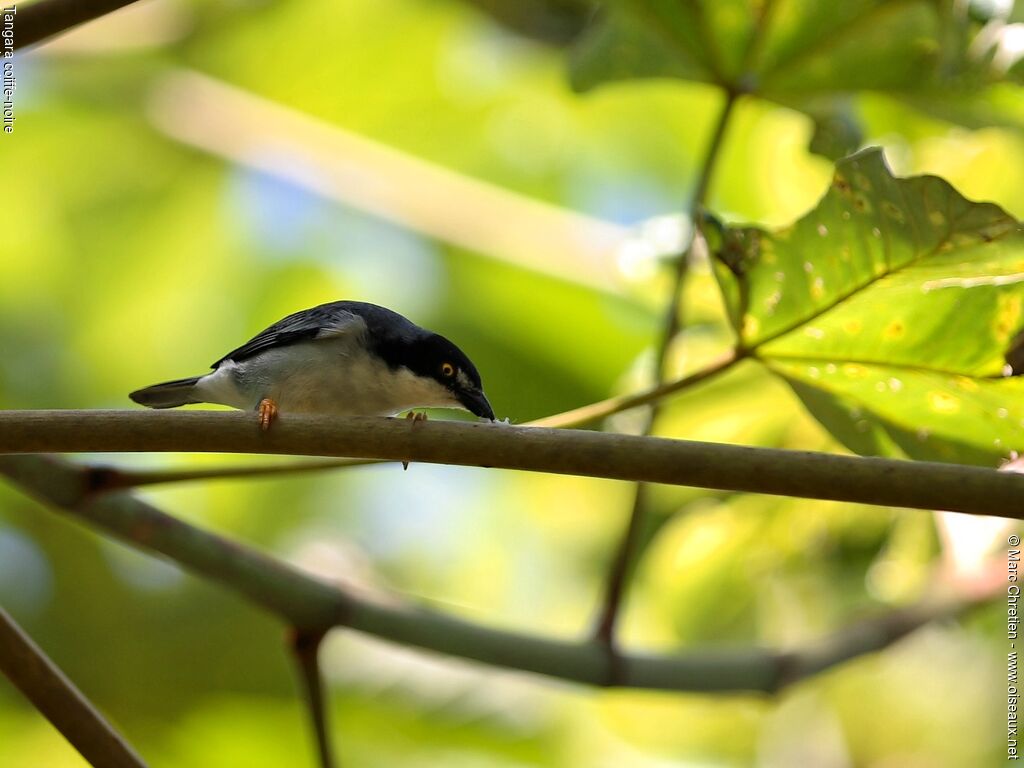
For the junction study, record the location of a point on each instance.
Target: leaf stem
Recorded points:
(587, 414)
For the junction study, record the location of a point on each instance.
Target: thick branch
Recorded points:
(35, 23)
(60, 702)
(312, 606)
(917, 484)
(113, 478)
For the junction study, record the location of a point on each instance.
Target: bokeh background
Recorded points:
(419, 155)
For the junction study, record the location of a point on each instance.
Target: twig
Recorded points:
(306, 648)
(618, 573)
(46, 18)
(113, 478)
(57, 698)
(588, 414)
(875, 632)
(807, 474)
(312, 606)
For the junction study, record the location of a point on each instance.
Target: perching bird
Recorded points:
(345, 358)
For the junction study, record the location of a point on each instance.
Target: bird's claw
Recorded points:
(415, 417)
(267, 410)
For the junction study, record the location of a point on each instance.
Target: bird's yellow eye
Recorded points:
(447, 370)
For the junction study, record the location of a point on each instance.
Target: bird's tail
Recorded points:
(170, 394)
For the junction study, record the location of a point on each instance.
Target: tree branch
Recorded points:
(306, 649)
(312, 606)
(114, 478)
(867, 480)
(57, 698)
(46, 18)
(604, 408)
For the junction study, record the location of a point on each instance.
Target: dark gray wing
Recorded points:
(319, 322)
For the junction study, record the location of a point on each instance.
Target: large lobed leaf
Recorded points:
(891, 309)
(811, 55)
(790, 49)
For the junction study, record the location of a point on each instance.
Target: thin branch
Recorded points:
(671, 325)
(306, 648)
(313, 606)
(588, 414)
(113, 478)
(807, 474)
(46, 18)
(875, 633)
(625, 553)
(60, 702)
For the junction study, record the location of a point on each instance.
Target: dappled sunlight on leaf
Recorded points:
(891, 307)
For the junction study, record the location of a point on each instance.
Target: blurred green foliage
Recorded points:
(128, 257)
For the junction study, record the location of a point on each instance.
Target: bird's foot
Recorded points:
(267, 410)
(415, 417)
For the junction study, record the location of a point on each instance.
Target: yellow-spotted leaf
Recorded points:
(892, 410)
(891, 308)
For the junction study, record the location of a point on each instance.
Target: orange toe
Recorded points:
(267, 410)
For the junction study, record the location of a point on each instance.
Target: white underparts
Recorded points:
(324, 376)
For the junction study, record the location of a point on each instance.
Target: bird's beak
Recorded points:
(474, 401)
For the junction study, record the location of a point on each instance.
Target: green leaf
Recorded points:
(661, 39)
(789, 51)
(801, 54)
(890, 308)
(837, 132)
(893, 411)
(826, 47)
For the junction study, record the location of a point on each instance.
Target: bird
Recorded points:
(344, 358)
